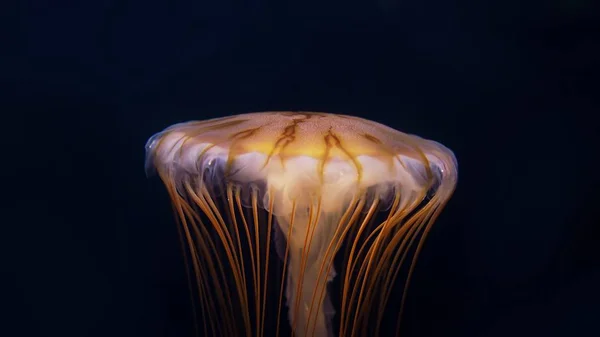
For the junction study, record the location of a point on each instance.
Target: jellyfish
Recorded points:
(274, 207)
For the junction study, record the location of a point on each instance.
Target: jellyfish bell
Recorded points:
(299, 186)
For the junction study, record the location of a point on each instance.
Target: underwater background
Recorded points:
(89, 245)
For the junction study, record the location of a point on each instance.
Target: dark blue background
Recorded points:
(89, 246)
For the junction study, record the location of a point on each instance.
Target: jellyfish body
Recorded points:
(298, 187)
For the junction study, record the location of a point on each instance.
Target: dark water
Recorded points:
(90, 247)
